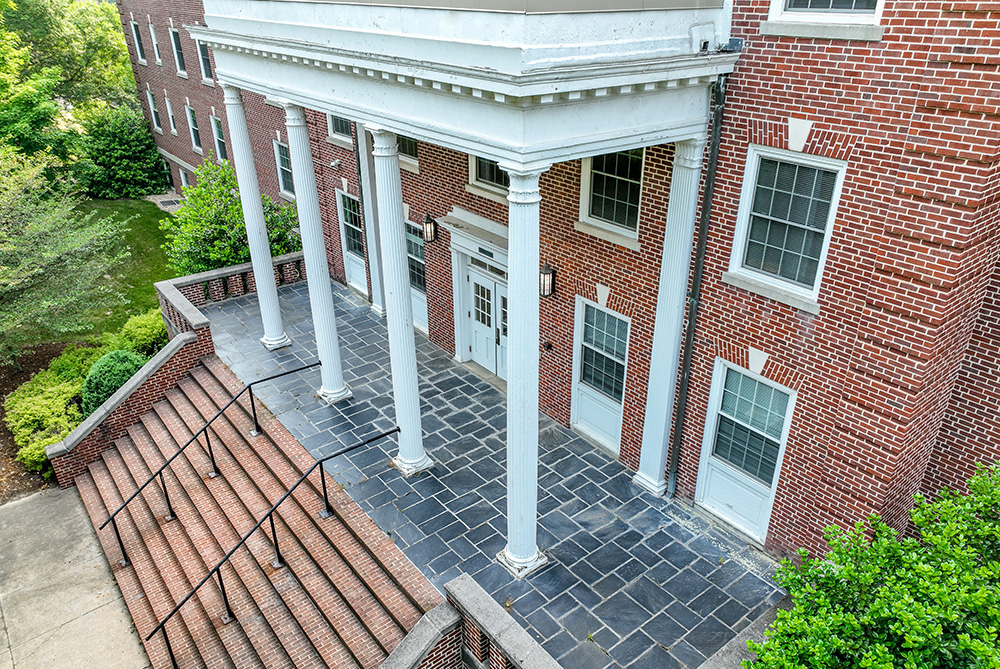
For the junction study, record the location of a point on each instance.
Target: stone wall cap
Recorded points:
(420, 640)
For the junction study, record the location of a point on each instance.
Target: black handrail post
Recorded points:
(253, 409)
(278, 562)
(170, 650)
(166, 496)
(121, 544)
(227, 617)
(211, 454)
(327, 509)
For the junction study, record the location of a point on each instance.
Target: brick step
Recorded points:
(151, 579)
(411, 594)
(265, 617)
(180, 566)
(128, 582)
(194, 562)
(192, 469)
(382, 604)
(297, 535)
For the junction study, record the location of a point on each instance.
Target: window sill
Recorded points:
(173, 132)
(412, 165)
(208, 82)
(341, 141)
(285, 195)
(159, 62)
(607, 235)
(158, 130)
(141, 61)
(198, 150)
(835, 31)
(182, 75)
(488, 193)
(771, 292)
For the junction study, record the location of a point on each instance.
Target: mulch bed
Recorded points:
(15, 480)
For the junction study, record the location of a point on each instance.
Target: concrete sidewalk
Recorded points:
(59, 603)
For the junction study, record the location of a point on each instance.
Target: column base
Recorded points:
(378, 311)
(658, 488)
(522, 569)
(409, 467)
(275, 343)
(334, 396)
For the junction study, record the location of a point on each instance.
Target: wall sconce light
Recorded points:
(430, 229)
(546, 281)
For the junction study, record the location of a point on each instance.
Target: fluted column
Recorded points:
(332, 388)
(253, 218)
(399, 311)
(671, 302)
(521, 555)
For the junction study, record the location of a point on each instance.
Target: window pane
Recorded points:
(615, 187)
(140, 50)
(756, 404)
(285, 169)
(178, 52)
(862, 6)
(489, 172)
(340, 125)
(206, 61)
(354, 236)
(605, 339)
(193, 122)
(407, 146)
(415, 256)
(740, 446)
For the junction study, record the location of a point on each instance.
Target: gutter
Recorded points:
(699, 270)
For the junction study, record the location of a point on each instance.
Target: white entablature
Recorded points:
(510, 85)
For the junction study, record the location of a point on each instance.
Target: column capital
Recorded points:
(295, 115)
(384, 141)
(523, 187)
(231, 95)
(689, 153)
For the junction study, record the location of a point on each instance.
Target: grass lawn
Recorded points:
(135, 278)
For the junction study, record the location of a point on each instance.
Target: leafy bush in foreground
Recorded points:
(878, 602)
(108, 375)
(40, 412)
(144, 334)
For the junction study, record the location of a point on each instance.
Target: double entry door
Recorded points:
(489, 323)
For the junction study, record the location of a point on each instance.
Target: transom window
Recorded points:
(193, 125)
(415, 256)
(206, 61)
(407, 146)
(860, 6)
(613, 187)
(340, 126)
(284, 161)
(788, 220)
(140, 50)
(605, 342)
(354, 235)
(750, 425)
(488, 172)
(175, 41)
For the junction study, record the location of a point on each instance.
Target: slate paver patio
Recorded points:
(633, 580)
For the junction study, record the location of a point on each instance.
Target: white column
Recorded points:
(253, 217)
(521, 555)
(399, 312)
(370, 209)
(671, 303)
(332, 389)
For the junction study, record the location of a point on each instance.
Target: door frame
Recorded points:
(574, 411)
(341, 223)
(708, 443)
(463, 248)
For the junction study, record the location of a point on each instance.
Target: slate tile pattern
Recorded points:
(633, 580)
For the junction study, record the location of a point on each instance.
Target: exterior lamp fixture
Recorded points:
(430, 229)
(546, 281)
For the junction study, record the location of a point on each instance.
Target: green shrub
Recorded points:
(878, 602)
(108, 375)
(145, 334)
(40, 412)
(121, 160)
(208, 231)
(75, 361)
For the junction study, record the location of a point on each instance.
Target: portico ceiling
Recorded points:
(513, 86)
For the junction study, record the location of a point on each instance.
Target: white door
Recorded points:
(489, 323)
(353, 236)
(599, 374)
(744, 440)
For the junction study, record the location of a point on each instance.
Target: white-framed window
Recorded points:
(827, 11)
(338, 126)
(283, 161)
(604, 351)
(156, 45)
(185, 179)
(205, 58)
(785, 222)
(354, 233)
(611, 191)
(140, 50)
(170, 114)
(192, 120)
(175, 42)
(220, 139)
(415, 256)
(486, 173)
(153, 111)
(408, 147)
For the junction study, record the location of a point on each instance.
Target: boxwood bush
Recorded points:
(144, 334)
(107, 375)
(40, 412)
(876, 601)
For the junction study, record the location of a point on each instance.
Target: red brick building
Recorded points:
(845, 346)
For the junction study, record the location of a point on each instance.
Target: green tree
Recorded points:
(121, 160)
(54, 263)
(208, 231)
(82, 41)
(876, 601)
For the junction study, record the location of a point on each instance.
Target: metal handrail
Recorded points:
(215, 470)
(278, 562)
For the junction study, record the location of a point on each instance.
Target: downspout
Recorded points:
(699, 269)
